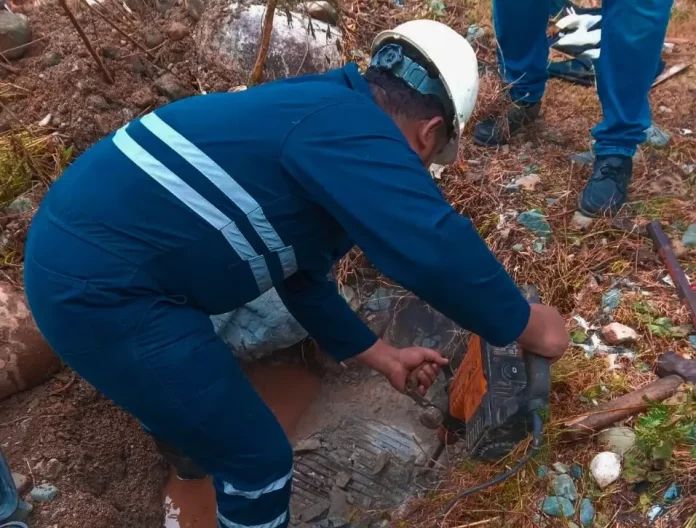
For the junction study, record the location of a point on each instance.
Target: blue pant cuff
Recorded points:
(610, 150)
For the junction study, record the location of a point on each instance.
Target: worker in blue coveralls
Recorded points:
(204, 204)
(632, 37)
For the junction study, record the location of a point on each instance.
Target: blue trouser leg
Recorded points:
(523, 50)
(633, 33)
(170, 371)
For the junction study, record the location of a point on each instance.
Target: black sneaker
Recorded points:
(493, 132)
(607, 189)
(185, 467)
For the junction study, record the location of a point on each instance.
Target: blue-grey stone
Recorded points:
(563, 486)
(655, 512)
(512, 188)
(518, 247)
(474, 33)
(611, 299)
(692, 340)
(656, 137)
(689, 236)
(20, 205)
(672, 493)
(576, 471)
(587, 512)
(557, 507)
(542, 472)
(535, 222)
(44, 493)
(560, 467)
(539, 245)
(583, 158)
(380, 300)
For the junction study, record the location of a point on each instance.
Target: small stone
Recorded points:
(195, 9)
(153, 38)
(314, 511)
(342, 479)
(563, 486)
(168, 86)
(307, 445)
(21, 483)
(557, 507)
(54, 468)
(22, 512)
(672, 493)
(529, 182)
(611, 299)
(138, 66)
(576, 471)
(143, 98)
(97, 102)
(504, 149)
(689, 237)
(339, 503)
(518, 247)
(535, 222)
(322, 10)
(692, 341)
(381, 462)
(560, 467)
(380, 300)
(44, 493)
(606, 468)
(679, 249)
(512, 187)
(474, 33)
(617, 334)
(539, 245)
(19, 206)
(15, 31)
(656, 137)
(46, 120)
(580, 222)
(177, 31)
(52, 58)
(587, 512)
(583, 158)
(542, 472)
(665, 110)
(571, 524)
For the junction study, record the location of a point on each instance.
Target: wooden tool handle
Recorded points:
(623, 407)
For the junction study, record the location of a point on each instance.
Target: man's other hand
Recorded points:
(546, 334)
(398, 364)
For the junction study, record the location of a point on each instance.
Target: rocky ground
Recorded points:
(55, 102)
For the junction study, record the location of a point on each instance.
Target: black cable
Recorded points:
(536, 443)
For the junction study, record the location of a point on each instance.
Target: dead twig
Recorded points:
(64, 387)
(108, 77)
(267, 29)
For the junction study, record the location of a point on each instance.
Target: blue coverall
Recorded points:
(633, 33)
(197, 208)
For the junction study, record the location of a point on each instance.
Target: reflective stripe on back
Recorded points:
(197, 203)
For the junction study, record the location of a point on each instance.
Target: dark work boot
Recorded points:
(607, 189)
(186, 468)
(492, 132)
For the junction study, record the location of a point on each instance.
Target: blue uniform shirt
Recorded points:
(217, 198)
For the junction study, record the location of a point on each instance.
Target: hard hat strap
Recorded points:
(392, 57)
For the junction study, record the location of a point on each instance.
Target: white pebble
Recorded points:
(606, 468)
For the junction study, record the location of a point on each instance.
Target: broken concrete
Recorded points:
(299, 44)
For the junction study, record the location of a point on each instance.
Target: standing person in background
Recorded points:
(633, 33)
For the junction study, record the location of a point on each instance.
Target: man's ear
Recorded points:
(430, 135)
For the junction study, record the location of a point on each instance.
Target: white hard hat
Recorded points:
(452, 56)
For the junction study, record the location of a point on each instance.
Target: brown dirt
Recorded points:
(111, 474)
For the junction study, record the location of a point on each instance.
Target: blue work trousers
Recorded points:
(633, 33)
(161, 361)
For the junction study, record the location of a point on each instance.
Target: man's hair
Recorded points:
(398, 99)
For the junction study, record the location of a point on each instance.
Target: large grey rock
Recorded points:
(259, 328)
(15, 31)
(233, 41)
